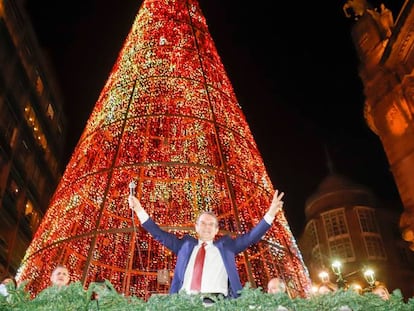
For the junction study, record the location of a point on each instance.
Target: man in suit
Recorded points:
(219, 272)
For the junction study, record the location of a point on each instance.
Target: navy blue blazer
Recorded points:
(229, 247)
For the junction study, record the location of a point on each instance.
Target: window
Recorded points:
(317, 257)
(28, 209)
(34, 124)
(312, 234)
(341, 248)
(375, 247)
(13, 188)
(312, 241)
(32, 216)
(50, 112)
(367, 220)
(23, 153)
(335, 223)
(370, 233)
(339, 241)
(39, 86)
(8, 125)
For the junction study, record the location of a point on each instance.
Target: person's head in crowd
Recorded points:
(7, 281)
(381, 290)
(355, 287)
(276, 285)
(326, 288)
(60, 276)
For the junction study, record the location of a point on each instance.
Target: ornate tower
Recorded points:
(167, 119)
(386, 54)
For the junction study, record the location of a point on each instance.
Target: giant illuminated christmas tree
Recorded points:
(167, 119)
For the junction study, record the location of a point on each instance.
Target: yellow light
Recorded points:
(369, 275)
(356, 287)
(336, 267)
(324, 276)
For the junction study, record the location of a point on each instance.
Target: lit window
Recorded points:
(28, 208)
(39, 85)
(50, 112)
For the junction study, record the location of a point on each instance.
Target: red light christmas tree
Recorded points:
(167, 119)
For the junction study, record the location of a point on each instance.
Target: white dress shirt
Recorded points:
(214, 278)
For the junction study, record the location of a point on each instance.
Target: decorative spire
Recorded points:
(329, 162)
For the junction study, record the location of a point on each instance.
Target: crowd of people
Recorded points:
(59, 277)
(379, 289)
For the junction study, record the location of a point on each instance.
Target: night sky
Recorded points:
(292, 65)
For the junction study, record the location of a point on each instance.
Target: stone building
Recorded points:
(32, 134)
(384, 45)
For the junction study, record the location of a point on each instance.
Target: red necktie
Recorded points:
(198, 268)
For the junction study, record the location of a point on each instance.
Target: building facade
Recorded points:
(386, 55)
(32, 134)
(346, 222)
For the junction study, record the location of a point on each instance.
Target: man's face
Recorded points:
(60, 276)
(206, 227)
(275, 287)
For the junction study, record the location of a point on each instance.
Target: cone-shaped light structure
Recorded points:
(167, 119)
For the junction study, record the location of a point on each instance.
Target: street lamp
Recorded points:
(369, 276)
(324, 276)
(337, 270)
(337, 267)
